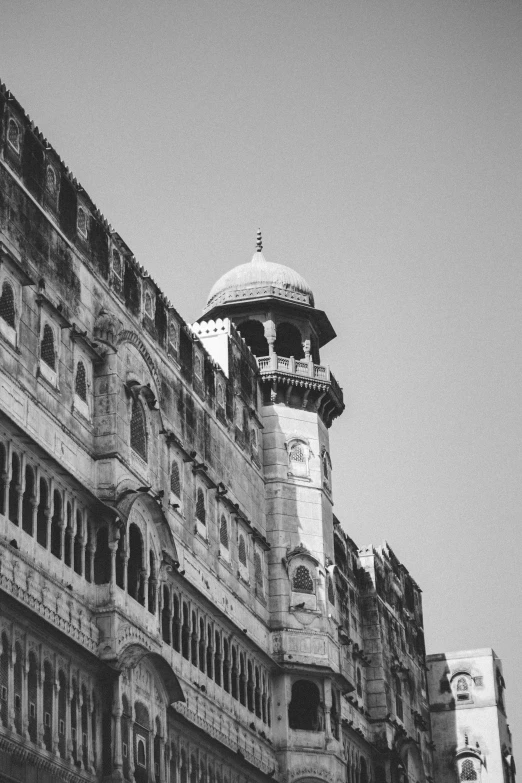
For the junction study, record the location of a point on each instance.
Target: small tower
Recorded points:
(273, 308)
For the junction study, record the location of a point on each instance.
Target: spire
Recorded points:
(259, 243)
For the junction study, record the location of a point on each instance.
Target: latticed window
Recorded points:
(326, 471)
(297, 453)
(223, 532)
(175, 479)
(201, 512)
(242, 550)
(302, 581)
(197, 366)
(258, 570)
(138, 430)
(7, 308)
(47, 351)
(468, 771)
(81, 221)
(13, 135)
(220, 396)
(50, 179)
(80, 383)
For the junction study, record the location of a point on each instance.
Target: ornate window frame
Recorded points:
(299, 466)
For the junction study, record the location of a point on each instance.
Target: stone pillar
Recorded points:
(270, 334)
(10, 687)
(113, 546)
(117, 711)
(91, 549)
(125, 570)
(25, 704)
(34, 506)
(145, 578)
(54, 721)
(39, 707)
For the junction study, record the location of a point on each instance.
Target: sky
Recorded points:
(378, 147)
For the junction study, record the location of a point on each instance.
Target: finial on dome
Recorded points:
(259, 243)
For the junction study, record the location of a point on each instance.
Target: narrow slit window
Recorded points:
(47, 350)
(201, 513)
(175, 479)
(138, 430)
(80, 383)
(242, 551)
(223, 532)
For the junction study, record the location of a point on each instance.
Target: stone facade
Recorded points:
(178, 601)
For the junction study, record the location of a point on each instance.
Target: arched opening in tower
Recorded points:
(253, 333)
(303, 711)
(288, 341)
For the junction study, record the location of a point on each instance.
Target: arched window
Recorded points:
(80, 383)
(166, 616)
(13, 134)
(14, 489)
(56, 525)
(175, 479)
(78, 540)
(303, 710)
(68, 538)
(253, 333)
(136, 564)
(302, 581)
(7, 306)
(81, 222)
(468, 771)
(50, 180)
(198, 371)
(47, 351)
(242, 550)
(220, 396)
(102, 558)
(201, 514)
(289, 341)
(138, 430)
(28, 501)
(223, 532)
(42, 514)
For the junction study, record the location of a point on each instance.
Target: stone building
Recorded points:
(468, 717)
(178, 602)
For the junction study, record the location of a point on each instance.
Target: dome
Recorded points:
(260, 278)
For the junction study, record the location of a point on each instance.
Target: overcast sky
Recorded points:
(378, 146)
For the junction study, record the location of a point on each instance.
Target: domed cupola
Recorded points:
(273, 296)
(258, 279)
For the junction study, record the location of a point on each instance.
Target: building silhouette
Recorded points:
(178, 601)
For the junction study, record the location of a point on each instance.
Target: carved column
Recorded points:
(47, 515)
(131, 749)
(113, 546)
(125, 570)
(91, 549)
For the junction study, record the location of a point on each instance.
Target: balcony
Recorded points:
(313, 384)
